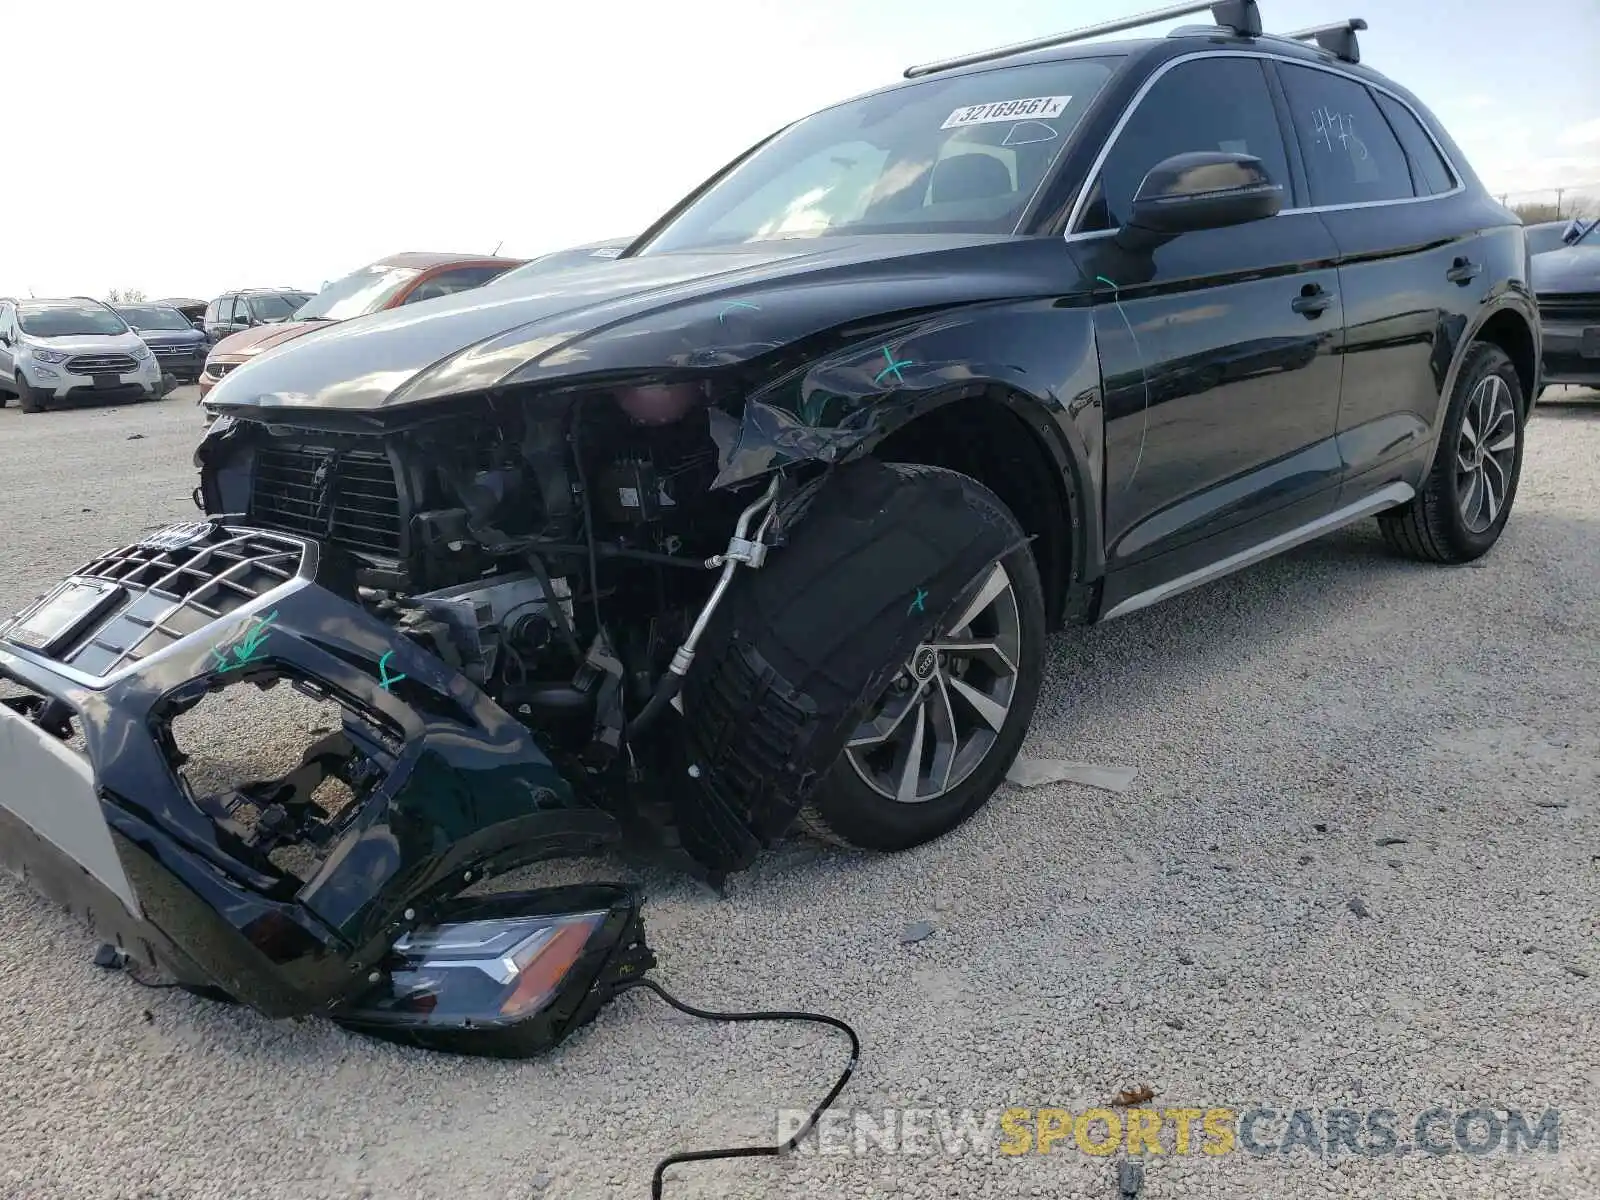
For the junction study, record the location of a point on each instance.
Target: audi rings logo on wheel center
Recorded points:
(923, 664)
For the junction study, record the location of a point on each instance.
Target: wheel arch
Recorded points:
(1011, 444)
(1509, 329)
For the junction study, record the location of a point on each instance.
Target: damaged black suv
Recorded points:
(767, 518)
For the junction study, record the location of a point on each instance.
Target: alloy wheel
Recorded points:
(943, 712)
(1486, 453)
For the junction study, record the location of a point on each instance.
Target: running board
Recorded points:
(1388, 497)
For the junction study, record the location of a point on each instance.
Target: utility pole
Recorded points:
(1558, 202)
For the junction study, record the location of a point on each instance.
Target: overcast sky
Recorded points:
(184, 148)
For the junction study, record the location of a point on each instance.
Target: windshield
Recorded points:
(152, 316)
(68, 320)
(958, 153)
(357, 294)
(276, 306)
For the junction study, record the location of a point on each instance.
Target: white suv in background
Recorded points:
(79, 349)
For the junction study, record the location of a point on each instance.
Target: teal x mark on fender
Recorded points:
(893, 368)
(386, 680)
(918, 602)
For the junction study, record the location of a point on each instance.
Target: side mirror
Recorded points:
(1204, 189)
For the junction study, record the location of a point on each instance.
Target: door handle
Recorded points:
(1312, 301)
(1463, 271)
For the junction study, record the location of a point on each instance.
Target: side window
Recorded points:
(447, 283)
(241, 311)
(1428, 169)
(1207, 104)
(213, 310)
(1351, 155)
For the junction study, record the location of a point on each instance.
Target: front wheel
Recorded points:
(1468, 493)
(931, 750)
(28, 399)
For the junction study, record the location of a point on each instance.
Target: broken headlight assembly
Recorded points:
(506, 975)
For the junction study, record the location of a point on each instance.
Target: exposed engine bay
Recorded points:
(557, 555)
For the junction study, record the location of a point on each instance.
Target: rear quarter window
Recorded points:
(1431, 173)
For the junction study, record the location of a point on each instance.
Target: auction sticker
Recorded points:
(1039, 107)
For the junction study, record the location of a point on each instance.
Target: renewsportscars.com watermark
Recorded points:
(1010, 1132)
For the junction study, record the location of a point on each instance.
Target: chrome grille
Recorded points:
(101, 364)
(218, 369)
(177, 586)
(348, 497)
(172, 350)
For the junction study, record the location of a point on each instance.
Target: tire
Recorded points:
(805, 650)
(28, 400)
(851, 806)
(1471, 486)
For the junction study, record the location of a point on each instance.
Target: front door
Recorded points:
(1218, 348)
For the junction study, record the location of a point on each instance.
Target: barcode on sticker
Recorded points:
(1035, 107)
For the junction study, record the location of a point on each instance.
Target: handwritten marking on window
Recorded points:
(1331, 127)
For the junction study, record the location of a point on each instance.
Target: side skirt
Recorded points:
(1386, 497)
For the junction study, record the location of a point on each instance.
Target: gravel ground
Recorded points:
(1196, 934)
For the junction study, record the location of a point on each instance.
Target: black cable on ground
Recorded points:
(784, 1147)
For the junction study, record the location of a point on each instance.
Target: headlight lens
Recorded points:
(141, 352)
(510, 973)
(48, 356)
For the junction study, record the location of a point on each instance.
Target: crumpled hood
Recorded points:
(673, 311)
(1569, 269)
(252, 341)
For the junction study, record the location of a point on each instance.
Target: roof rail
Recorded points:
(1240, 17)
(1338, 39)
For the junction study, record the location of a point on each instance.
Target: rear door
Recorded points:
(1217, 348)
(1413, 265)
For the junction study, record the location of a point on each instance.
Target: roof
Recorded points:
(424, 259)
(61, 302)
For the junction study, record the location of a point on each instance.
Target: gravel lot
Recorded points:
(1195, 933)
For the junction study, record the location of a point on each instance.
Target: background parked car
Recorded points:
(249, 307)
(388, 283)
(1567, 283)
(77, 348)
(1545, 235)
(179, 347)
(572, 257)
(194, 311)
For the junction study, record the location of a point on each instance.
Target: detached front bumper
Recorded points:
(98, 812)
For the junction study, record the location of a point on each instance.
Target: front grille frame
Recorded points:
(369, 508)
(174, 593)
(101, 364)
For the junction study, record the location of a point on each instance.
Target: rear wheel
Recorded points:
(1467, 497)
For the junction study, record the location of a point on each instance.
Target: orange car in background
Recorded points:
(387, 283)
